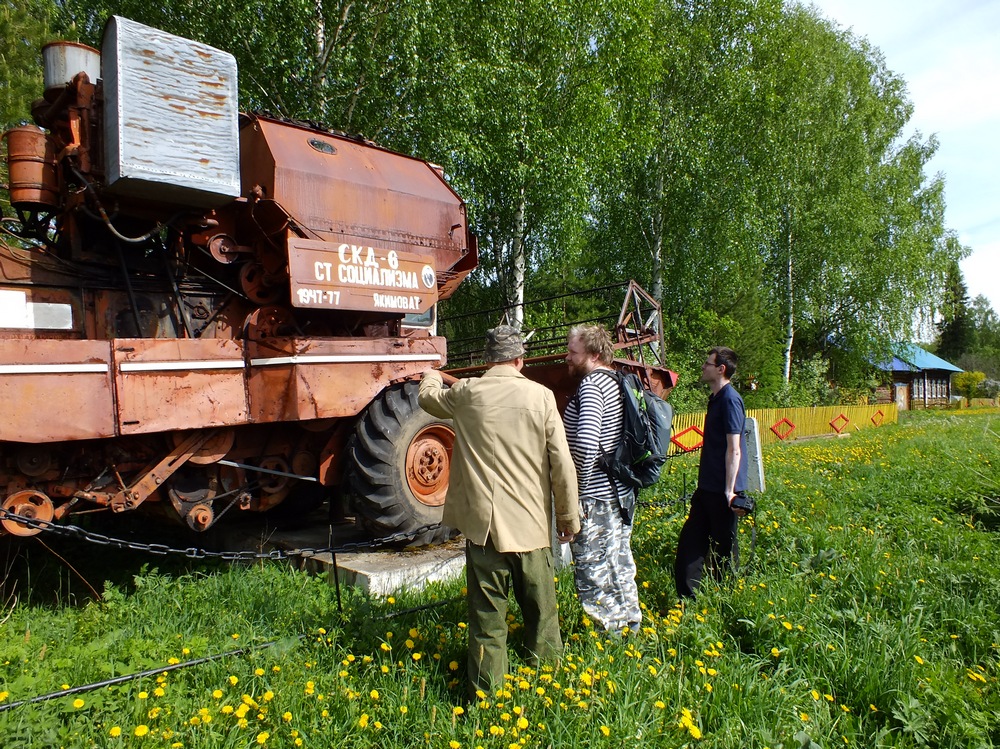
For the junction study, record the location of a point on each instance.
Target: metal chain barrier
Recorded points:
(664, 502)
(75, 531)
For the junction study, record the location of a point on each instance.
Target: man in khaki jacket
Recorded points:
(510, 458)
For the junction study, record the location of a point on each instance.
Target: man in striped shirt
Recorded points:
(602, 551)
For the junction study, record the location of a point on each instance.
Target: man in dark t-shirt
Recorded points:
(710, 529)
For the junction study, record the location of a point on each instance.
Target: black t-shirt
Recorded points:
(725, 415)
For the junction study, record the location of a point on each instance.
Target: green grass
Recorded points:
(866, 616)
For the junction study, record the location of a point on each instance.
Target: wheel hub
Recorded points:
(28, 504)
(428, 464)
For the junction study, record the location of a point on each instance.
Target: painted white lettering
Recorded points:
(323, 271)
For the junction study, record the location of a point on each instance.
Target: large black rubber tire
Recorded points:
(391, 490)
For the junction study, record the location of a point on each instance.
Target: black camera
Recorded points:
(743, 502)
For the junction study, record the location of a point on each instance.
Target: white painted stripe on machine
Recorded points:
(343, 359)
(19, 369)
(178, 366)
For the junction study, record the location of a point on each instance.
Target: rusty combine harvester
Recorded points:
(208, 310)
(205, 311)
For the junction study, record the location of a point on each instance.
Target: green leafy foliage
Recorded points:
(967, 383)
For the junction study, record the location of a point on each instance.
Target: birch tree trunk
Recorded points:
(789, 308)
(657, 243)
(518, 262)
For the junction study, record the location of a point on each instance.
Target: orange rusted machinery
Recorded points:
(202, 310)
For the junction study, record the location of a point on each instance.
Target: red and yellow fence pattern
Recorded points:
(783, 424)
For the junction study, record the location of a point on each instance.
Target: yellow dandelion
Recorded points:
(522, 723)
(286, 716)
(787, 625)
(804, 717)
(373, 694)
(775, 652)
(262, 737)
(363, 720)
(217, 694)
(404, 709)
(159, 692)
(258, 672)
(77, 703)
(454, 744)
(918, 659)
(233, 681)
(606, 731)
(457, 710)
(453, 666)
(141, 730)
(115, 732)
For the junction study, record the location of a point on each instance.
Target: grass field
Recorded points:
(867, 615)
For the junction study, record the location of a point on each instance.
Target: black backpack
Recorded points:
(646, 424)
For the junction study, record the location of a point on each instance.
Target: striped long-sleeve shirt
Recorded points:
(593, 421)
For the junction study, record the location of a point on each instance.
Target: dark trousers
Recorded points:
(708, 536)
(490, 575)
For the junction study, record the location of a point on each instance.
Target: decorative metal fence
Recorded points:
(782, 424)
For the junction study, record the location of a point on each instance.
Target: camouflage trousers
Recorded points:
(604, 567)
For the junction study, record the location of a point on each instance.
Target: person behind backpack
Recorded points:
(710, 528)
(602, 551)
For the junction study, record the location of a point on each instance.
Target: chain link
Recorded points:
(75, 531)
(663, 502)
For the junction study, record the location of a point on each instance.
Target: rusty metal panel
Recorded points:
(354, 275)
(55, 390)
(339, 187)
(171, 116)
(298, 378)
(166, 384)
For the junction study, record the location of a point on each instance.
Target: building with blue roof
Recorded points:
(919, 379)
